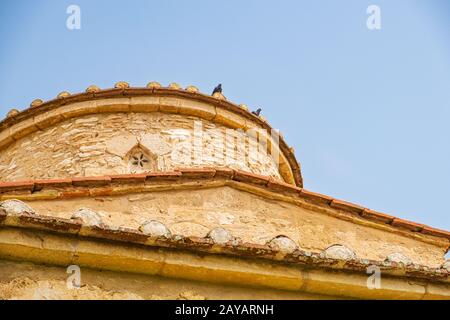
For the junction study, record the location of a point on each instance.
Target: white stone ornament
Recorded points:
(16, 207)
(89, 217)
(339, 252)
(283, 243)
(220, 235)
(155, 229)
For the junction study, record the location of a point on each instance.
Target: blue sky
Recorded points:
(367, 111)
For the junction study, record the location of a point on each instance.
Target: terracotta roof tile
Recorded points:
(281, 186)
(104, 186)
(344, 205)
(127, 178)
(224, 173)
(156, 176)
(378, 216)
(17, 185)
(106, 93)
(243, 176)
(315, 196)
(436, 232)
(197, 173)
(39, 184)
(91, 181)
(397, 222)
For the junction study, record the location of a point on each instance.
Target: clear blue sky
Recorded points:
(367, 111)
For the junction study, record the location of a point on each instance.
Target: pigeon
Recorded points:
(217, 89)
(257, 112)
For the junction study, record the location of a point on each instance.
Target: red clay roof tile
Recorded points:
(196, 173)
(344, 205)
(16, 185)
(102, 186)
(315, 196)
(281, 186)
(39, 184)
(127, 178)
(91, 181)
(378, 216)
(224, 173)
(243, 176)
(397, 222)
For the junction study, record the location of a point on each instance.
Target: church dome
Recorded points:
(137, 130)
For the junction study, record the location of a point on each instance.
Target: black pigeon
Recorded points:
(217, 89)
(257, 112)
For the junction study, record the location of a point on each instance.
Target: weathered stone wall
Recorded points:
(251, 218)
(36, 282)
(118, 143)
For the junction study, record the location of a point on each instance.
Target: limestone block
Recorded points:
(196, 108)
(113, 105)
(23, 128)
(47, 119)
(228, 118)
(120, 145)
(155, 144)
(5, 138)
(78, 109)
(144, 104)
(169, 104)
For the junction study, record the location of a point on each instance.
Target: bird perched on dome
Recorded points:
(257, 112)
(217, 89)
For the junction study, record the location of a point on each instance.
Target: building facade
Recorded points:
(167, 193)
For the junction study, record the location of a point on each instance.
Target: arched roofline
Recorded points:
(45, 114)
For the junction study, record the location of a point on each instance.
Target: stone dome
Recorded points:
(135, 130)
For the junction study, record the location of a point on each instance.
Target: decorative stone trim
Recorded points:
(15, 207)
(94, 186)
(220, 236)
(298, 257)
(88, 217)
(398, 257)
(339, 252)
(155, 229)
(283, 244)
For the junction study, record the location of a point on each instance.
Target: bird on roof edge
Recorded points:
(257, 112)
(217, 89)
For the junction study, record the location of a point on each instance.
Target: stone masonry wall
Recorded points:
(251, 218)
(119, 143)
